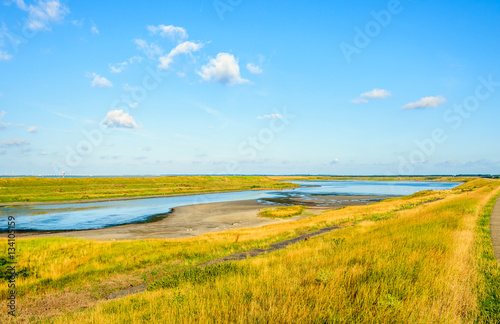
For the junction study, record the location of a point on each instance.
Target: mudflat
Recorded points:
(193, 220)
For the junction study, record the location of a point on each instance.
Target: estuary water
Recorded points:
(80, 216)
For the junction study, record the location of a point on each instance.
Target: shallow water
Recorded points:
(79, 216)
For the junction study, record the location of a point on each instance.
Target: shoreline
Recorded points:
(194, 220)
(97, 200)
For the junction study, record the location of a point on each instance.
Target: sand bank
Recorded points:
(189, 221)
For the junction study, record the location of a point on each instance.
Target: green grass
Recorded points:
(414, 259)
(32, 189)
(489, 270)
(282, 212)
(418, 266)
(197, 275)
(375, 178)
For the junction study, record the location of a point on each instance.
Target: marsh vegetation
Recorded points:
(422, 258)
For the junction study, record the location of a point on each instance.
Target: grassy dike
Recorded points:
(32, 189)
(419, 258)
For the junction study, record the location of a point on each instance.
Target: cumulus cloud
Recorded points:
(93, 28)
(224, 69)
(33, 129)
(150, 49)
(253, 68)
(271, 116)
(427, 102)
(99, 81)
(119, 118)
(4, 56)
(43, 13)
(169, 31)
(14, 142)
(373, 94)
(184, 48)
(376, 93)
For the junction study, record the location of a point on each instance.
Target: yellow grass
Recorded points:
(32, 189)
(282, 212)
(409, 259)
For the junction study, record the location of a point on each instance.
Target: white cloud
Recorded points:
(151, 50)
(2, 125)
(186, 48)
(5, 35)
(119, 67)
(332, 162)
(128, 87)
(253, 68)
(78, 23)
(13, 142)
(99, 81)
(224, 69)
(20, 4)
(4, 56)
(183, 48)
(373, 94)
(376, 93)
(119, 118)
(359, 100)
(5, 125)
(45, 12)
(427, 102)
(271, 116)
(93, 28)
(134, 59)
(33, 129)
(169, 31)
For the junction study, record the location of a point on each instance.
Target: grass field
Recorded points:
(282, 212)
(375, 178)
(425, 258)
(32, 189)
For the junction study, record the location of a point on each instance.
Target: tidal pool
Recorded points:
(81, 216)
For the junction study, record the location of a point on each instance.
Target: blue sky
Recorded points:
(267, 87)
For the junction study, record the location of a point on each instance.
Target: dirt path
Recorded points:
(495, 229)
(237, 257)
